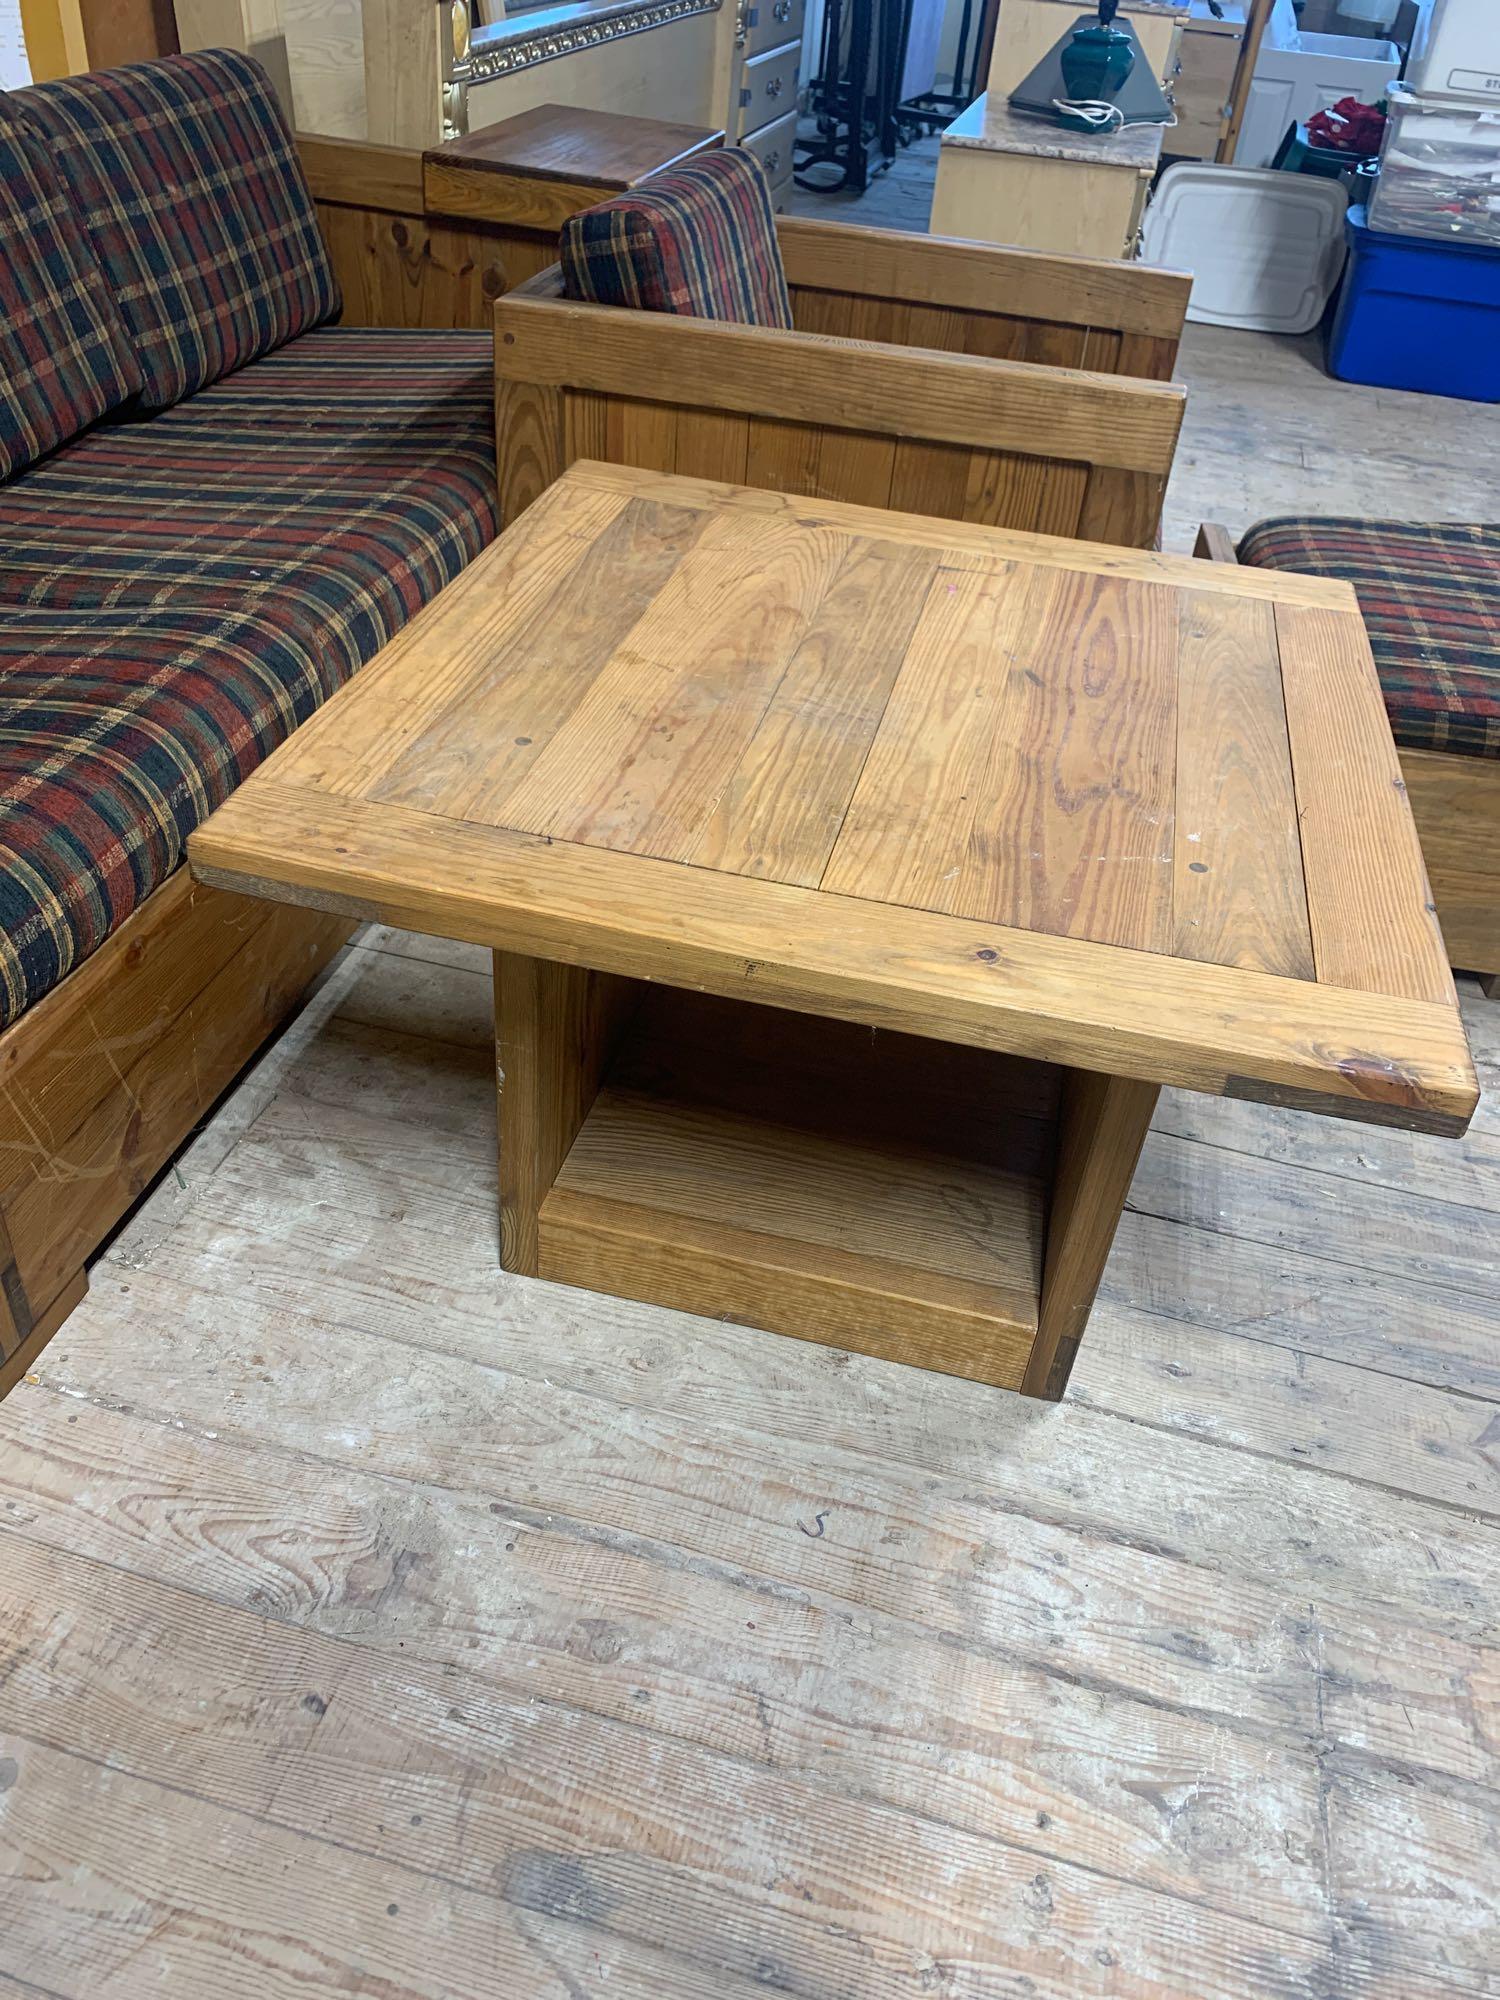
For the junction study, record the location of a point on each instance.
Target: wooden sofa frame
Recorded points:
(1455, 802)
(107, 1075)
(919, 402)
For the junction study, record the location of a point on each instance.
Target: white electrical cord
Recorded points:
(1097, 115)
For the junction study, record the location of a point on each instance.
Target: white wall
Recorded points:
(15, 71)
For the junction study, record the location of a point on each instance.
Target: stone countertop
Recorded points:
(990, 125)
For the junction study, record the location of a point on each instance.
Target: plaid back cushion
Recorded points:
(192, 194)
(64, 357)
(1430, 595)
(700, 239)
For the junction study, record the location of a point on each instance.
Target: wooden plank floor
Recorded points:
(375, 1624)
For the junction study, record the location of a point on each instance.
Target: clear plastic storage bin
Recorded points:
(1439, 171)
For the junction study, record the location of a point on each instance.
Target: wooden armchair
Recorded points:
(928, 376)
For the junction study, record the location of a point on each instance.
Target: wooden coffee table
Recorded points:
(854, 882)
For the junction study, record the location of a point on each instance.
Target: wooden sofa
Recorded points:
(201, 534)
(1455, 798)
(107, 1074)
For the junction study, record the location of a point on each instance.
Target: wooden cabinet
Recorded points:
(1003, 178)
(763, 86)
(1205, 84)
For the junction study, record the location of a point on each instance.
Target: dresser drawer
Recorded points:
(772, 146)
(769, 23)
(769, 87)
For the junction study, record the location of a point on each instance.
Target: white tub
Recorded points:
(1293, 84)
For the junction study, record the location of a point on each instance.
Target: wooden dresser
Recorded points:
(763, 87)
(1006, 177)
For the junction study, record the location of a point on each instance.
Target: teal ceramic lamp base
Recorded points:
(1098, 59)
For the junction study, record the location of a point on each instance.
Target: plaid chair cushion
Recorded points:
(192, 194)
(1431, 600)
(699, 239)
(64, 357)
(186, 590)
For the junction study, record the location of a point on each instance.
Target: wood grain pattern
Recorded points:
(1208, 1647)
(962, 541)
(763, 371)
(1167, 1020)
(1374, 923)
(1082, 208)
(1455, 802)
(1016, 783)
(929, 1234)
(673, 711)
(975, 278)
(535, 170)
(356, 174)
(1238, 896)
(1455, 805)
(780, 812)
(563, 142)
(512, 581)
(915, 419)
(1022, 774)
(400, 270)
(554, 1029)
(1103, 1127)
(473, 750)
(102, 1079)
(743, 1164)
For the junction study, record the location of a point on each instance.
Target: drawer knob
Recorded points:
(773, 161)
(782, 11)
(775, 87)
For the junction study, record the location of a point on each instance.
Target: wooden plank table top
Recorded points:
(1128, 812)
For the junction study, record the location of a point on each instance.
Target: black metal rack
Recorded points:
(931, 110)
(853, 100)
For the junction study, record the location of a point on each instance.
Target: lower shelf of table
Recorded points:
(876, 1191)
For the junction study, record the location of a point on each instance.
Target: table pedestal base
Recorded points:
(939, 1205)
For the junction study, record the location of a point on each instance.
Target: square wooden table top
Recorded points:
(1134, 813)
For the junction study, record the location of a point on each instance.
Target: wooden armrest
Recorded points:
(1215, 543)
(359, 174)
(983, 277)
(1014, 406)
(546, 284)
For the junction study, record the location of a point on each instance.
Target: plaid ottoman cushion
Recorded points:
(1431, 600)
(700, 240)
(177, 595)
(64, 357)
(194, 199)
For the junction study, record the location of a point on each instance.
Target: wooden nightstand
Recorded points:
(530, 173)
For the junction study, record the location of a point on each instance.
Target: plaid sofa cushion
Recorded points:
(64, 357)
(119, 732)
(177, 595)
(699, 239)
(338, 483)
(191, 192)
(1431, 601)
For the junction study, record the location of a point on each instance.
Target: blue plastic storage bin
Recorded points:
(1418, 314)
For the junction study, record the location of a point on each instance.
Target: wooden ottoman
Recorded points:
(1430, 595)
